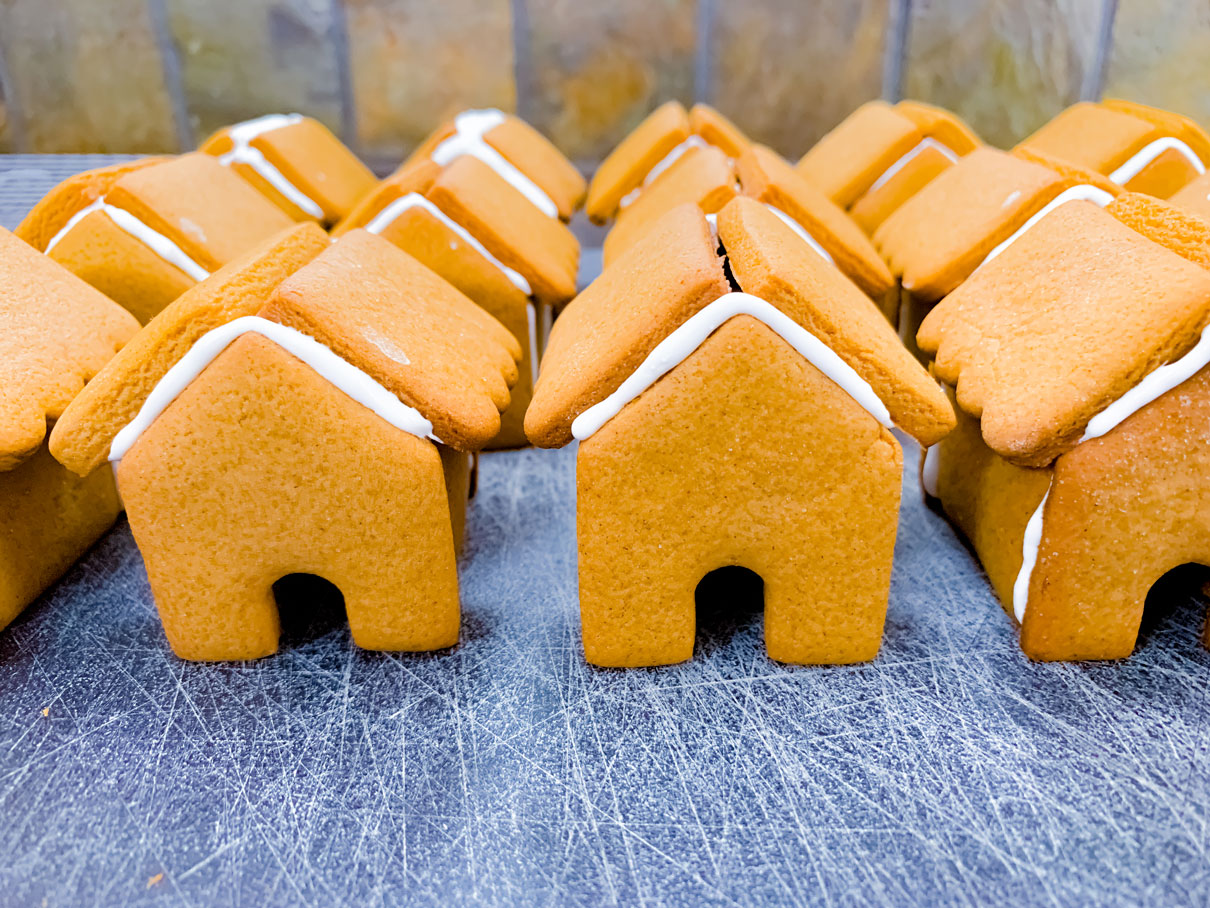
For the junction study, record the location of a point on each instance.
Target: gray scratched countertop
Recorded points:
(507, 772)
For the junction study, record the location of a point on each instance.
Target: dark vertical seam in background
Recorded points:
(16, 122)
(523, 70)
(170, 61)
(338, 35)
(1094, 79)
(894, 53)
(703, 56)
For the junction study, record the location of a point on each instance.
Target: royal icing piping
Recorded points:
(673, 156)
(391, 212)
(923, 145)
(802, 232)
(1084, 192)
(152, 239)
(242, 152)
(1154, 385)
(470, 127)
(1149, 153)
(331, 367)
(531, 316)
(930, 471)
(681, 343)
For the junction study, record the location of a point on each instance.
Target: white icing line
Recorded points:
(1153, 385)
(1084, 192)
(1029, 559)
(242, 152)
(677, 347)
(923, 145)
(391, 212)
(531, 316)
(470, 127)
(694, 141)
(331, 367)
(1149, 153)
(802, 232)
(930, 471)
(152, 239)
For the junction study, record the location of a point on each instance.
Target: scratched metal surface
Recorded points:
(507, 772)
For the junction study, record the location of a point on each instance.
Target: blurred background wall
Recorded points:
(158, 75)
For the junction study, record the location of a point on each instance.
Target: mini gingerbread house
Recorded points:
(517, 152)
(478, 232)
(882, 154)
(668, 134)
(143, 233)
(733, 396)
(1078, 362)
(1140, 148)
(942, 234)
(58, 332)
(325, 434)
(707, 178)
(296, 163)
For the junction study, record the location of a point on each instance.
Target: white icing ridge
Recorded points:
(339, 372)
(1149, 153)
(391, 212)
(681, 343)
(802, 232)
(152, 239)
(694, 141)
(1155, 384)
(922, 146)
(470, 127)
(531, 316)
(1084, 193)
(930, 471)
(242, 152)
(1029, 559)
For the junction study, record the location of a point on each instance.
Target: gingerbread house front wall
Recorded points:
(260, 468)
(744, 454)
(1122, 511)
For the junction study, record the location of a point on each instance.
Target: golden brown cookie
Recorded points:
(1195, 196)
(82, 436)
(295, 162)
(625, 168)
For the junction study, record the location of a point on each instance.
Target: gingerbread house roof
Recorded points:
(676, 271)
(542, 250)
(82, 437)
(296, 159)
(1195, 196)
(1069, 318)
(939, 236)
(652, 146)
(211, 214)
(520, 145)
(846, 161)
(57, 334)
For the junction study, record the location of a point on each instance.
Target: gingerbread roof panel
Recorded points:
(849, 158)
(1168, 122)
(770, 262)
(1195, 196)
(717, 130)
(938, 123)
(1061, 324)
(767, 177)
(628, 164)
(608, 330)
(409, 329)
(82, 437)
(414, 176)
(1184, 232)
(1092, 136)
(538, 158)
(56, 333)
(941, 234)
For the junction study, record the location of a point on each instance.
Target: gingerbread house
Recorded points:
(58, 332)
(1078, 470)
(296, 163)
(325, 433)
(517, 152)
(707, 178)
(668, 134)
(940, 236)
(732, 394)
(1140, 148)
(478, 232)
(882, 154)
(142, 233)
